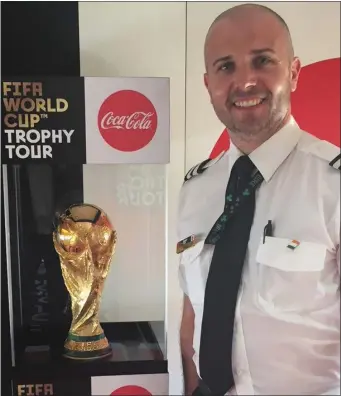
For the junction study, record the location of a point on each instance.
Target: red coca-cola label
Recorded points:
(127, 120)
(131, 390)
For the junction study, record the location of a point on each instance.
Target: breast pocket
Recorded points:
(288, 278)
(195, 263)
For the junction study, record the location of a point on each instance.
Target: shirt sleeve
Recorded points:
(337, 236)
(182, 279)
(179, 231)
(338, 259)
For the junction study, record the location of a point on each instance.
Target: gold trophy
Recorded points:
(85, 242)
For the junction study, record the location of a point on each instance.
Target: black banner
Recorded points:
(61, 387)
(43, 120)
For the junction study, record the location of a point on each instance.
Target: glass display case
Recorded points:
(131, 191)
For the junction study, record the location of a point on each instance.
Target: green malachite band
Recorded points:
(87, 354)
(72, 337)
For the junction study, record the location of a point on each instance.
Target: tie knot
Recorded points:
(244, 166)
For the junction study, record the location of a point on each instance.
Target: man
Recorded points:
(259, 254)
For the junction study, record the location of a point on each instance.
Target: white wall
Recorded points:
(149, 39)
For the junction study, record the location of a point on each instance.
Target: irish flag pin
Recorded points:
(293, 244)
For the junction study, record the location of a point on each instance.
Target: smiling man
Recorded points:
(250, 72)
(259, 228)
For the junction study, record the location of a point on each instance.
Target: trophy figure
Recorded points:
(85, 242)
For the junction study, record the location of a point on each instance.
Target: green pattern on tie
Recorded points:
(232, 204)
(229, 198)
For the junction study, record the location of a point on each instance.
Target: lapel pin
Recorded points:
(186, 243)
(293, 244)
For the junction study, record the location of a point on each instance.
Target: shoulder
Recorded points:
(201, 167)
(321, 151)
(323, 169)
(201, 186)
(199, 177)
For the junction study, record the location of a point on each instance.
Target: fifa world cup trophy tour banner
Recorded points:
(85, 120)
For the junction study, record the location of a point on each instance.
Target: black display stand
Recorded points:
(40, 309)
(135, 351)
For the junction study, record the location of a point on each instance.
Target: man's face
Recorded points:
(250, 76)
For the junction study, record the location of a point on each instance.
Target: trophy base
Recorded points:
(86, 347)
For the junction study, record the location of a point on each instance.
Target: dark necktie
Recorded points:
(230, 235)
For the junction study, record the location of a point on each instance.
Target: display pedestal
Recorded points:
(135, 352)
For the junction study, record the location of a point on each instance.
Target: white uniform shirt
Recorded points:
(287, 322)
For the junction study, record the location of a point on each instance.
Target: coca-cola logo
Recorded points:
(131, 390)
(127, 120)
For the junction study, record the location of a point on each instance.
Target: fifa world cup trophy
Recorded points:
(85, 241)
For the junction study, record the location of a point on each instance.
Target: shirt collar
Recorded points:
(271, 154)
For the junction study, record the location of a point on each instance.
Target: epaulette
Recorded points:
(336, 162)
(202, 167)
(324, 150)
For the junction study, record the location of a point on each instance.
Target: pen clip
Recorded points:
(264, 234)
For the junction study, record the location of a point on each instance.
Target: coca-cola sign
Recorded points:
(127, 120)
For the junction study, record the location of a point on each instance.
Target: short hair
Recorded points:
(230, 11)
(252, 5)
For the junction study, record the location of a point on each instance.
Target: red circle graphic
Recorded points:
(315, 103)
(131, 390)
(127, 120)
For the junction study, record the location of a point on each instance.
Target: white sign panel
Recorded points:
(127, 120)
(137, 385)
